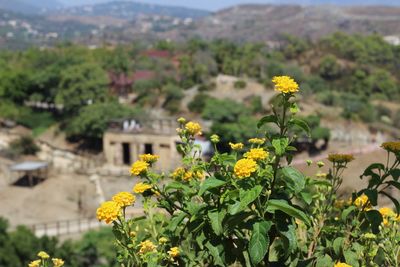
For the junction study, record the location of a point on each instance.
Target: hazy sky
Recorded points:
(202, 4)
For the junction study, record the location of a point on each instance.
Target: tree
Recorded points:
(82, 85)
(329, 68)
(92, 121)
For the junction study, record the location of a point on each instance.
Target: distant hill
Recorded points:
(267, 22)
(29, 6)
(131, 10)
(339, 2)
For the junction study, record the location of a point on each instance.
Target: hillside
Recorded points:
(131, 10)
(29, 6)
(267, 22)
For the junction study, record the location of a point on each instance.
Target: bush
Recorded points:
(240, 84)
(329, 68)
(256, 209)
(198, 103)
(25, 145)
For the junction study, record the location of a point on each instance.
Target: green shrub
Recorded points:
(240, 84)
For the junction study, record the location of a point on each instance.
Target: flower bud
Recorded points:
(214, 138)
(320, 164)
(181, 120)
(309, 162)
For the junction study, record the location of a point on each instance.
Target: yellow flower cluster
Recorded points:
(189, 175)
(57, 262)
(124, 199)
(387, 214)
(361, 201)
(393, 147)
(139, 167)
(285, 84)
(257, 154)
(244, 168)
(108, 212)
(149, 158)
(340, 158)
(257, 141)
(35, 263)
(174, 252)
(43, 255)
(178, 173)
(193, 128)
(146, 247)
(341, 264)
(237, 146)
(140, 188)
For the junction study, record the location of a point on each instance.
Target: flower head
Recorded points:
(149, 158)
(146, 247)
(139, 167)
(193, 174)
(393, 147)
(309, 162)
(285, 84)
(108, 212)
(181, 120)
(174, 252)
(341, 264)
(237, 146)
(387, 213)
(163, 240)
(257, 141)
(140, 188)
(57, 262)
(244, 168)
(340, 158)
(193, 128)
(320, 164)
(43, 255)
(361, 201)
(256, 154)
(35, 263)
(178, 173)
(214, 138)
(124, 199)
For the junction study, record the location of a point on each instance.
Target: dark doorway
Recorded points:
(148, 148)
(126, 152)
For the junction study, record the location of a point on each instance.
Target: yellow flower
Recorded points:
(237, 146)
(163, 240)
(387, 212)
(178, 173)
(108, 212)
(132, 234)
(341, 264)
(257, 141)
(43, 255)
(146, 247)
(35, 263)
(244, 168)
(393, 147)
(140, 188)
(149, 158)
(193, 128)
(124, 199)
(57, 262)
(340, 158)
(174, 252)
(257, 154)
(285, 84)
(193, 174)
(139, 167)
(361, 201)
(321, 175)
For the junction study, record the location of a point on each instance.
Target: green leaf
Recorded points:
(347, 211)
(246, 197)
(395, 174)
(302, 124)
(375, 219)
(177, 186)
(215, 252)
(282, 205)
(216, 219)
(259, 241)
(280, 145)
(267, 119)
(210, 183)
(324, 261)
(307, 197)
(372, 195)
(338, 245)
(290, 239)
(351, 258)
(175, 221)
(294, 179)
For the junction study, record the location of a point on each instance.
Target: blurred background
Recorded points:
(87, 86)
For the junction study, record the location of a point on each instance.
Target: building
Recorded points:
(126, 139)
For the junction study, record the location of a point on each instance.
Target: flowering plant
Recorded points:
(251, 207)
